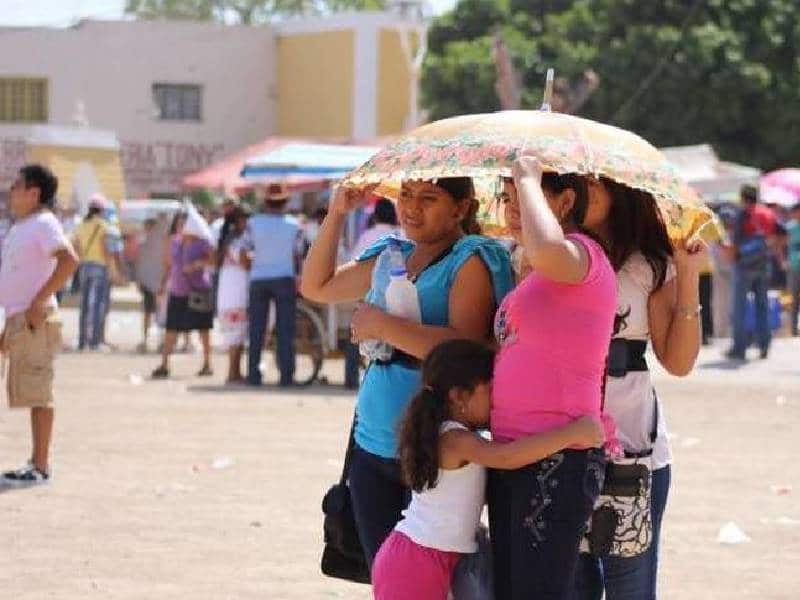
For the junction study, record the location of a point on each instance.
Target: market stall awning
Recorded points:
(331, 161)
(714, 179)
(225, 175)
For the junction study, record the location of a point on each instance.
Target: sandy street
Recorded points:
(186, 489)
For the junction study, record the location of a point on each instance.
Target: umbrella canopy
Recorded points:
(781, 187)
(485, 145)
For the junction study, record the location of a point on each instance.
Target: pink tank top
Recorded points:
(553, 341)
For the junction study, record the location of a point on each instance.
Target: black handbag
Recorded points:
(201, 300)
(343, 557)
(621, 524)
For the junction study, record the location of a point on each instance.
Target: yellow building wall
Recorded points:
(394, 77)
(315, 84)
(65, 160)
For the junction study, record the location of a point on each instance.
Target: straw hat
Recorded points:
(277, 193)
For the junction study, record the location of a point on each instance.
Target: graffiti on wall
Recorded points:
(160, 166)
(149, 167)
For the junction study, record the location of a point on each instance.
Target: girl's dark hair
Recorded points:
(384, 212)
(238, 212)
(635, 224)
(459, 364)
(173, 228)
(555, 183)
(93, 212)
(462, 189)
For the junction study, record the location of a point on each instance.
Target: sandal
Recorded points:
(161, 372)
(205, 371)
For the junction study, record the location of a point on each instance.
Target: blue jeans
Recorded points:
(537, 518)
(378, 495)
(633, 578)
(744, 281)
(283, 292)
(94, 285)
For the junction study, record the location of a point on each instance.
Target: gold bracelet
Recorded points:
(688, 313)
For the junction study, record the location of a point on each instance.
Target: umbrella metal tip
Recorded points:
(548, 90)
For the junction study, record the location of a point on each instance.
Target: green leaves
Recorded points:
(730, 74)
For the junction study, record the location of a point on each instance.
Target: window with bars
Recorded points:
(23, 100)
(178, 101)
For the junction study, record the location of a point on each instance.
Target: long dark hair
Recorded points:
(459, 364)
(635, 224)
(384, 213)
(555, 183)
(173, 228)
(463, 190)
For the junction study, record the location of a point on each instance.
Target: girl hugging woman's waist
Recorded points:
(508, 426)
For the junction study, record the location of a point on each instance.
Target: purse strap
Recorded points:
(348, 455)
(92, 237)
(653, 431)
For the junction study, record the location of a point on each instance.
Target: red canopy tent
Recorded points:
(224, 175)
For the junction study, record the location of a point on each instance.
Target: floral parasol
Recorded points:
(485, 145)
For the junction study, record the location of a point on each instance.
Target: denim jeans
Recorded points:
(94, 285)
(744, 281)
(283, 292)
(378, 495)
(537, 517)
(633, 578)
(794, 291)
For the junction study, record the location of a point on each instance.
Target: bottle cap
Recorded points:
(398, 272)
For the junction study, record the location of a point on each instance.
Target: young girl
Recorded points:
(444, 462)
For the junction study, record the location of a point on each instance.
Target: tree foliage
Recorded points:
(725, 72)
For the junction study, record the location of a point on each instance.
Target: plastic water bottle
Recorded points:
(381, 277)
(402, 299)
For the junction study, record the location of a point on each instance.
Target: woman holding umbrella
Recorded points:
(553, 332)
(658, 287)
(460, 280)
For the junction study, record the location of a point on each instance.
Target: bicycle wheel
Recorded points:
(309, 343)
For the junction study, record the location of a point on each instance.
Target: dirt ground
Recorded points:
(186, 489)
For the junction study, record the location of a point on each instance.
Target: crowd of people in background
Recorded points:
(761, 252)
(752, 276)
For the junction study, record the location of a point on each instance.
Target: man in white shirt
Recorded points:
(37, 261)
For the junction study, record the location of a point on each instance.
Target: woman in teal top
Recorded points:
(460, 278)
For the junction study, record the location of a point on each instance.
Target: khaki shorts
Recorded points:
(30, 356)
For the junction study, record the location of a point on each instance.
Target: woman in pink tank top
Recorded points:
(553, 333)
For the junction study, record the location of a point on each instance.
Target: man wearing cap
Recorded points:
(754, 230)
(37, 261)
(91, 244)
(273, 243)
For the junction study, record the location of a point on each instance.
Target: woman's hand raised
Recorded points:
(346, 199)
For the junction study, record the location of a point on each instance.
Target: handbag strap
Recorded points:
(92, 237)
(348, 455)
(654, 429)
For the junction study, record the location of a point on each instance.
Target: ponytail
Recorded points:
(470, 223)
(419, 439)
(455, 364)
(463, 190)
